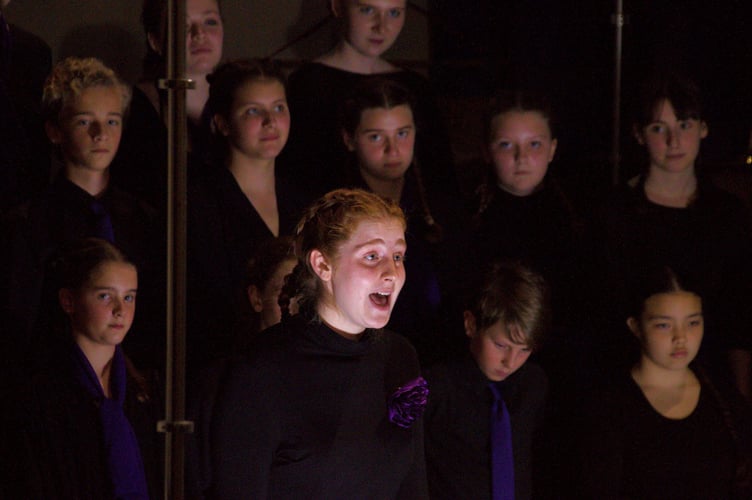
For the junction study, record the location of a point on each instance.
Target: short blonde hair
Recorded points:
(73, 75)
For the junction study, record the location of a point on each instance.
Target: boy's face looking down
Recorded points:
(496, 354)
(89, 128)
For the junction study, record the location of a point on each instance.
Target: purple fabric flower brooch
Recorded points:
(407, 403)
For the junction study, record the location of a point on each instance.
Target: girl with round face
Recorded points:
(98, 296)
(251, 125)
(369, 28)
(520, 147)
(383, 143)
(669, 125)
(203, 49)
(668, 324)
(353, 245)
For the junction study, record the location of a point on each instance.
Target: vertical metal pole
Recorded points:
(174, 425)
(618, 20)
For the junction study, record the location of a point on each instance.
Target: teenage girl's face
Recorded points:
(101, 312)
(670, 329)
(372, 26)
(89, 128)
(204, 36)
(521, 147)
(259, 120)
(495, 353)
(384, 142)
(364, 279)
(672, 144)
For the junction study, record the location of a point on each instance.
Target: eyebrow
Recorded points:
(379, 241)
(92, 113)
(107, 288)
(403, 127)
(663, 316)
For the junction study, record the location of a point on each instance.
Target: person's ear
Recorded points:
(154, 43)
(320, 265)
(703, 129)
(471, 328)
(65, 298)
(337, 8)
(634, 326)
(54, 134)
(219, 124)
(254, 298)
(554, 143)
(348, 140)
(638, 135)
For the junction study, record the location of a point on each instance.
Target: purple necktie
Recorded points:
(502, 460)
(102, 222)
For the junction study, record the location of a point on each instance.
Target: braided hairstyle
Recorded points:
(325, 226)
(380, 92)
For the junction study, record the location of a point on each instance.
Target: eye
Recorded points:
(103, 296)
(394, 13)
(695, 322)
(504, 145)
(526, 349)
(280, 108)
(365, 9)
(112, 122)
(403, 134)
(501, 346)
(656, 128)
(685, 125)
(82, 122)
(399, 258)
(374, 137)
(662, 326)
(131, 297)
(536, 144)
(212, 21)
(371, 257)
(252, 111)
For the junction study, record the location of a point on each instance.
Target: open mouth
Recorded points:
(381, 299)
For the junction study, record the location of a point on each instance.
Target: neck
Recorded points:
(329, 316)
(196, 98)
(648, 374)
(391, 189)
(94, 183)
(675, 189)
(346, 58)
(100, 359)
(253, 176)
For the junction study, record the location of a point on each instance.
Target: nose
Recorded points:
(390, 146)
(195, 30)
(389, 270)
(117, 307)
(672, 138)
(680, 335)
(97, 131)
(268, 119)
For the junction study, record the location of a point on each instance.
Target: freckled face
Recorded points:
(673, 144)
(366, 277)
(670, 329)
(101, 313)
(521, 148)
(496, 354)
(204, 36)
(384, 142)
(259, 121)
(372, 26)
(89, 128)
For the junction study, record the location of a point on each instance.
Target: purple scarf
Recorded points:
(123, 455)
